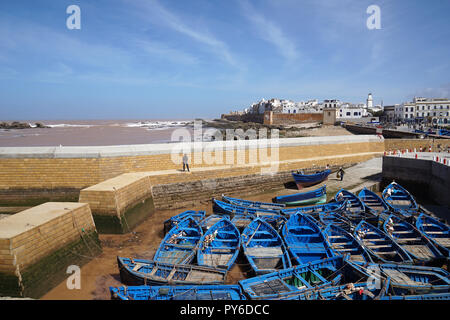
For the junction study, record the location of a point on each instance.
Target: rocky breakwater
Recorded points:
(284, 131)
(21, 125)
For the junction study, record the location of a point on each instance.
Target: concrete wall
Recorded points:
(37, 245)
(410, 144)
(26, 173)
(424, 177)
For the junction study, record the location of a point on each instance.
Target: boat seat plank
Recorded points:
(264, 251)
(445, 242)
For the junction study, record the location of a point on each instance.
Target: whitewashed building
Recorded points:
(438, 109)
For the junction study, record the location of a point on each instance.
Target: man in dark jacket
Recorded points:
(341, 173)
(185, 162)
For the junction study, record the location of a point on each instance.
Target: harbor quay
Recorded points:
(83, 206)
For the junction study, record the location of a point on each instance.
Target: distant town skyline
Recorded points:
(155, 59)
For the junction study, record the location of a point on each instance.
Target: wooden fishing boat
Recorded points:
(428, 297)
(304, 239)
(180, 243)
(343, 243)
(198, 292)
(137, 272)
(372, 201)
(317, 196)
(355, 209)
(336, 219)
(241, 221)
(221, 207)
(253, 204)
(409, 279)
(219, 246)
(171, 222)
(289, 283)
(264, 248)
(211, 220)
(436, 231)
(400, 200)
(337, 206)
(306, 180)
(418, 246)
(349, 291)
(379, 244)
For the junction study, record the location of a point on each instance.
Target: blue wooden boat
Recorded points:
(424, 297)
(305, 281)
(137, 272)
(409, 279)
(221, 207)
(263, 247)
(289, 283)
(253, 204)
(337, 206)
(418, 246)
(355, 209)
(400, 200)
(241, 221)
(180, 243)
(219, 246)
(199, 292)
(349, 291)
(317, 196)
(305, 240)
(436, 231)
(372, 201)
(171, 222)
(211, 220)
(335, 219)
(306, 180)
(379, 244)
(343, 243)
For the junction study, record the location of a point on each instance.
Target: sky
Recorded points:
(171, 59)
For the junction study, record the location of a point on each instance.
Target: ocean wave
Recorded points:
(64, 125)
(157, 125)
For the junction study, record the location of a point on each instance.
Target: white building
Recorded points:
(369, 102)
(436, 109)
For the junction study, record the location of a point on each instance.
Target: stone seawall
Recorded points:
(420, 176)
(58, 173)
(38, 244)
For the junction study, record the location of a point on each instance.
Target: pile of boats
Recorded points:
(355, 247)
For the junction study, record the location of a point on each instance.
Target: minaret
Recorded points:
(369, 101)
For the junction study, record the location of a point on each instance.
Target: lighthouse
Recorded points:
(369, 101)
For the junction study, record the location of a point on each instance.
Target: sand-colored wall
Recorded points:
(116, 195)
(401, 144)
(21, 168)
(28, 236)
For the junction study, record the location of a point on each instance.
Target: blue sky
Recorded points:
(156, 59)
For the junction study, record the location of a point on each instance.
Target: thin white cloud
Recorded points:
(163, 51)
(176, 23)
(270, 32)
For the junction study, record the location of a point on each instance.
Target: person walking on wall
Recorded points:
(341, 173)
(185, 162)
